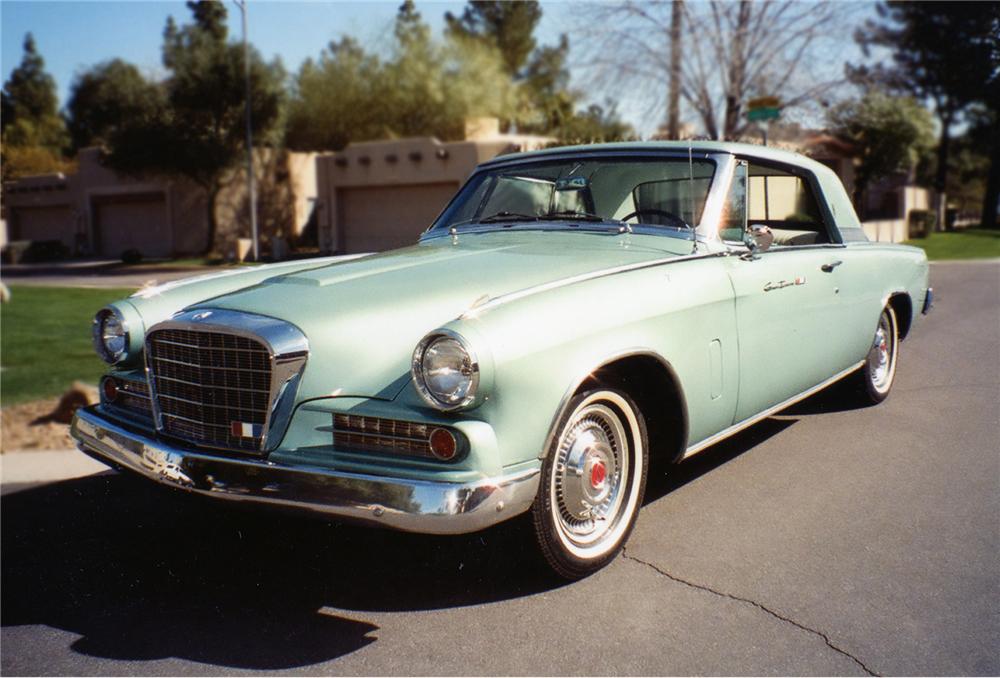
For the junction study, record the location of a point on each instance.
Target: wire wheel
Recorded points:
(593, 483)
(879, 370)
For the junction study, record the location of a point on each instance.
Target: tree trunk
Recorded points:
(858, 198)
(941, 176)
(212, 195)
(989, 215)
(673, 100)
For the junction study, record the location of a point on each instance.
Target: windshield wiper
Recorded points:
(508, 216)
(572, 215)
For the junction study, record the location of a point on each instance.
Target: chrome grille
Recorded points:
(133, 396)
(210, 387)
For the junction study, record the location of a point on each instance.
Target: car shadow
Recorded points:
(142, 572)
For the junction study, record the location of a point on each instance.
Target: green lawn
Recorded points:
(45, 340)
(970, 243)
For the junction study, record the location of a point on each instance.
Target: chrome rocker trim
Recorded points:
(409, 505)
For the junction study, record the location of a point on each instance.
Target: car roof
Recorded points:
(754, 150)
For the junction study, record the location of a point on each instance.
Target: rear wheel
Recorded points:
(876, 375)
(593, 481)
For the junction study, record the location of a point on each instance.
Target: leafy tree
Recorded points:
(199, 133)
(943, 51)
(425, 88)
(973, 181)
(30, 118)
(888, 134)
(106, 97)
(339, 97)
(546, 103)
(507, 26)
(596, 124)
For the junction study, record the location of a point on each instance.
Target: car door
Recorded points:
(792, 322)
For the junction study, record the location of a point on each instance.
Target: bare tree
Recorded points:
(733, 50)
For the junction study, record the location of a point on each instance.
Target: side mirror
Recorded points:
(759, 238)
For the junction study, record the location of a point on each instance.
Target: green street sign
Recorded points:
(768, 113)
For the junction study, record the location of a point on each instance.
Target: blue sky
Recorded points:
(74, 35)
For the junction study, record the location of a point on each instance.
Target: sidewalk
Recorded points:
(31, 467)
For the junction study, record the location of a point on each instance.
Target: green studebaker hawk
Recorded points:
(571, 315)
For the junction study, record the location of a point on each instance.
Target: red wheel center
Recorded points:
(598, 473)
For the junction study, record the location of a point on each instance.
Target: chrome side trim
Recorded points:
(746, 423)
(409, 505)
(286, 344)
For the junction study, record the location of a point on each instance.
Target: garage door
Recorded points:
(373, 219)
(138, 223)
(45, 223)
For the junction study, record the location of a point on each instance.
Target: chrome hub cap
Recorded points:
(880, 355)
(590, 466)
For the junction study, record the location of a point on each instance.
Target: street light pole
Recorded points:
(251, 181)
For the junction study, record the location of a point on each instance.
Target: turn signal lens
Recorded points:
(443, 444)
(109, 388)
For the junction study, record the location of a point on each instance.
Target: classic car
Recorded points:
(571, 315)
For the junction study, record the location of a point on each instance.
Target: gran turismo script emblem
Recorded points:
(784, 283)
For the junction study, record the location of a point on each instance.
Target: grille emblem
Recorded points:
(245, 429)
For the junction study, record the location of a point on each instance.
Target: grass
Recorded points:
(45, 340)
(970, 243)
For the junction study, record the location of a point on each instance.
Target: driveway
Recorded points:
(99, 273)
(826, 540)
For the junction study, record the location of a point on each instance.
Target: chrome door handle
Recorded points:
(828, 268)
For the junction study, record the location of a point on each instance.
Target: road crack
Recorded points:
(759, 606)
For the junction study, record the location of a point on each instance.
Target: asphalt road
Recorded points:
(827, 540)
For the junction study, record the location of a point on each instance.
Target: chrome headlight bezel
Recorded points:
(471, 364)
(108, 355)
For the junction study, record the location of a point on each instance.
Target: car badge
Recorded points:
(201, 316)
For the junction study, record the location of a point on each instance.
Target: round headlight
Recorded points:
(445, 371)
(110, 335)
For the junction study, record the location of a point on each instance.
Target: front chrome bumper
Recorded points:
(409, 505)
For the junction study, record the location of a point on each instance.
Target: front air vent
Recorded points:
(358, 433)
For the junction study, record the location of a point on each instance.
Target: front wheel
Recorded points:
(876, 375)
(593, 481)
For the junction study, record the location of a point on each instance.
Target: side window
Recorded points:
(785, 202)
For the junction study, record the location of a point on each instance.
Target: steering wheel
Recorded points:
(674, 220)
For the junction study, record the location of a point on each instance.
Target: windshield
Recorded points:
(655, 192)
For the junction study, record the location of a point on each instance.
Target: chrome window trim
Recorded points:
(288, 351)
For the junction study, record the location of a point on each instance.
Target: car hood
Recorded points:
(363, 317)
